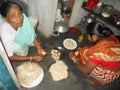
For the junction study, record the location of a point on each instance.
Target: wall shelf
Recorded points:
(110, 20)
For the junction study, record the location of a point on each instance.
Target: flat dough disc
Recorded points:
(58, 71)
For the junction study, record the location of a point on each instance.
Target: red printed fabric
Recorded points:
(106, 56)
(103, 75)
(109, 65)
(105, 53)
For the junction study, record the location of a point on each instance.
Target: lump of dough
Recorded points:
(55, 54)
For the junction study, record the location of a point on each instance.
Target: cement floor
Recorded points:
(76, 79)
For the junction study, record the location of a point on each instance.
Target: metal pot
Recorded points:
(62, 26)
(87, 19)
(107, 11)
(66, 10)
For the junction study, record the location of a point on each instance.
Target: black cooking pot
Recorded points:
(87, 19)
(66, 9)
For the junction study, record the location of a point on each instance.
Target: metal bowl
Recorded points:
(61, 50)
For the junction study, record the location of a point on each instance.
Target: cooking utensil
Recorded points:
(56, 33)
(62, 26)
(87, 19)
(98, 9)
(107, 11)
(61, 50)
(70, 44)
(66, 11)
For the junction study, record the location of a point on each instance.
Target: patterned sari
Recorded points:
(106, 56)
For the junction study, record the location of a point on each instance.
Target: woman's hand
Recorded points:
(83, 56)
(37, 58)
(42, 52)
(74, 56)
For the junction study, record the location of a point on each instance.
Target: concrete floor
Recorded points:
(76, 80)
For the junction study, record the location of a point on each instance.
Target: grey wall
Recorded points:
(44, 11)
(76, 13)
(115, 3)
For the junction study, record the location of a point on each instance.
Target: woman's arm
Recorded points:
(85, 68)
(40, 50)
(36, 43)
(21, 58)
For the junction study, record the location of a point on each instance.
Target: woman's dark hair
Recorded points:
(98, 29)
(5, 7)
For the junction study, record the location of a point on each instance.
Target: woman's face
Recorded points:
(15, 17)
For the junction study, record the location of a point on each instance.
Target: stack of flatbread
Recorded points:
(28, 73)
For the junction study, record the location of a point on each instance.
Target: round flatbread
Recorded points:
(58, 70)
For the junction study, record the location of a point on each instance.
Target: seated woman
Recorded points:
(100, 62)
(17, 33)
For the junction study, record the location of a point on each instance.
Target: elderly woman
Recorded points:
(100, 62)
(17, 33)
